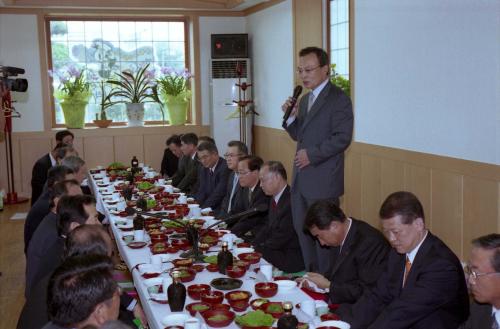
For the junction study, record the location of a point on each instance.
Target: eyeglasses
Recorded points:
(307, 70)
(473, 275)
(243, 173)
(231, 155)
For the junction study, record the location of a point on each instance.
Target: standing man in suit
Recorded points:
(358, 252)
(212, 177)
(277, 241)
(484, 283)
(42, 165)
(322, 127)
(171, 156)
(250, 196)
(235, 150)
(186, 176)
(423, 285)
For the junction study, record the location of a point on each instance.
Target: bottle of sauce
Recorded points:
(224, 258)
(176, 293)
(134, 163)
(288, 320)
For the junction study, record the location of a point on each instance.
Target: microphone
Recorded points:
(252, 211)
(296, 93)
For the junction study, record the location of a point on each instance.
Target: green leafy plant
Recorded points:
(133, 87)
(340, 81)
(106, 100)
(174, 82)
(73, 83)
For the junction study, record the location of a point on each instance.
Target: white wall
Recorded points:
(271, 39)
(213, 25)
(427, 76)
(19, 48)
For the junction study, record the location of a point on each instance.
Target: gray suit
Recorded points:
(325, 132)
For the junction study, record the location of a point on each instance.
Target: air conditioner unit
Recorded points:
(223, 90)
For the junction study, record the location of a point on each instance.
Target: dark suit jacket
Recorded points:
(39, 176)
(357, 266)
(224, 213)
(434, 296)
(277, 240)
(169, 163)
(44, 239)
(249, 226)
(480, 317)
(35, 216)
(212, 186)
(325, 132)
(186, 177)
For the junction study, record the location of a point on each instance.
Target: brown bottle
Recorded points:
(176, 293)
(134, 163)
(224, 258)
(288, 320)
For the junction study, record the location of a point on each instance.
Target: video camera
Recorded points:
(20, 85)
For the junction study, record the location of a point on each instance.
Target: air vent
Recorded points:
(227, 69)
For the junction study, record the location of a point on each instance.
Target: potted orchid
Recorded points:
(134, 89)
(173, 89)
(73, 94)
(101, 119)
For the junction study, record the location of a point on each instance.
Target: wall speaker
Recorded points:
(229, 46)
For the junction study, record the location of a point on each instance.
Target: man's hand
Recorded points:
(287, 104)
(318, 279)
(139, 313)
(301, 159)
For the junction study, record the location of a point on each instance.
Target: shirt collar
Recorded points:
(278, 196)
(316, 91)
(411, 255)
(215, 166)
(496, 312)
(346, 233)
(52, 159)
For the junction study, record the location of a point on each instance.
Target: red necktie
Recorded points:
(274, 205)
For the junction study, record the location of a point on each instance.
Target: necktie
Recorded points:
(249, 196)
(235, 182)
(311, 102)
(407, 269)
(273, 204)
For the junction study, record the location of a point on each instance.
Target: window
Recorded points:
(339, 36)
(104, 47)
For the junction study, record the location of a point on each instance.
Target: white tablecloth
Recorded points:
(155, 312)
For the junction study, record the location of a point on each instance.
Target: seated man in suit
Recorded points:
(46, 235)
(82, 292)
(186, 177)
(42, 206)
(250, 196)
(423, 285)
(212, 177)
(171, 156)
(235, 150)
(277, 240)
(79, 167)
(484, 283)
(358, 252)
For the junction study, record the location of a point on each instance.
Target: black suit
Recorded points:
(480, 317)
(434, 296)
(357, 266)
(169, 163)
(39, 176)
(249, 226)
(212, 185)
(35, 216)
(228, 201)
(186, 177)
(44, 239)
(277, 240)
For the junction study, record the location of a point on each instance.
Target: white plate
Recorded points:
(335, 323)
(175, 319)
(285, 286)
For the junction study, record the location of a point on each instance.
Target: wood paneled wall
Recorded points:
(461, 198)
(95, 146)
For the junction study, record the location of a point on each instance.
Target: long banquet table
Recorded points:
(154, 311)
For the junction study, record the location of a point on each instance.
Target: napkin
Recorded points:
(312, 285)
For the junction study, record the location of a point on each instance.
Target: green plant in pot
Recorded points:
(173, 90)
(73, 94)
(101, 119)
(134, 89)
(340, 81)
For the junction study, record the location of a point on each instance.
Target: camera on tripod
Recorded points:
(19, 84)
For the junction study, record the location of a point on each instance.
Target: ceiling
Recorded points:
(225, 5)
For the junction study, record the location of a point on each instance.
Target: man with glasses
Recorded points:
(423, 285)
(235, 150)
(484, 283)
(321, 125)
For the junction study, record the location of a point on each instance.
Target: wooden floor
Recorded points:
(12, 265)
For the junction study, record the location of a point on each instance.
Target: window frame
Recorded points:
(50, 18)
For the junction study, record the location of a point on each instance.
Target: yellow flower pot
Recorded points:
(177, 109)
(74, 112)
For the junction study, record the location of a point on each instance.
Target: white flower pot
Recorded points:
(135, 114)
